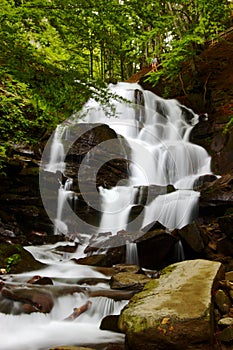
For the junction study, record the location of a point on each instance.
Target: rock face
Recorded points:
(175, 311)
(106, 154)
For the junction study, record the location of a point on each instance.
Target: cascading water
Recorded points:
(39, 331)
(131, 253)
(161, 154)
(157, 132)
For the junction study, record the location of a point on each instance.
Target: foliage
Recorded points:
(192, 24)
(55, 54)
(12, 260)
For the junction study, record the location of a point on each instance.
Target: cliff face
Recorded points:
(208, 89)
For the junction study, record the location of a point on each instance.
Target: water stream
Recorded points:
(157, 132)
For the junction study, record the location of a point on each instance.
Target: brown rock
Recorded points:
(123, 280)
(222, 301)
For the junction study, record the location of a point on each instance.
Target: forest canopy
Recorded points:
(53, 53)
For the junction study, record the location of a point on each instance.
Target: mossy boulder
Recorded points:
(174, 311)
(15, 259)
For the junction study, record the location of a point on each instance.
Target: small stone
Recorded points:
(222, 301)
(226, 321)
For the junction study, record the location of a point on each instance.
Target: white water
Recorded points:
(41, 331)
(161, 154)
(131, 253)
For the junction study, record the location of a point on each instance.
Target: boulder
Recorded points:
(217, 196)
(110, 323)
(33, 300)
(127, 280)
(174, 311)
(100, 149)
(155, 249)
(15, 259)
(192, 236)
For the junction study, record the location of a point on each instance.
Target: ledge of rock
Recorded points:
(174, 311)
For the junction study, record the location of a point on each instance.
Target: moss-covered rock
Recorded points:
(174, 311)
(15, 259)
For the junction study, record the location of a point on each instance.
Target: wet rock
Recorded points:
(192, 236)
(35, 300)
(20, 200)
(199, 183)
(153, 226)
(110, 323)
(68, 248)
(173, 312)
(217, 196)
(114, 294)
(92, 281)
(107, 271)
(40, 280)
(94, 260)
(155, 249)
(123, 280)
(16, 259)
(106, 154)
(222, 301)
(127, 268)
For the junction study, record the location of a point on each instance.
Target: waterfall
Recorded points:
(160, 155)
(179, 252)
(157, 132)
(131, 253)
(57, 153)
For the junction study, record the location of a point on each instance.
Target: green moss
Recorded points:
(147, 290)
(15, 259)
(168, 269)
